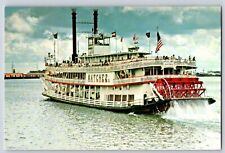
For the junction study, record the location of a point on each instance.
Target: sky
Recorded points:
(185, 31)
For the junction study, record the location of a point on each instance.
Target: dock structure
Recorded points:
(30, 75)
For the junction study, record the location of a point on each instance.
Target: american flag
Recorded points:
(159, 43)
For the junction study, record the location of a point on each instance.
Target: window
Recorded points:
(117, 97)
(110, 97)
(124, 98)
(90, 41)
(130, 98)
(97, 95)
(147, 71)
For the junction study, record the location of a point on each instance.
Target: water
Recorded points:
(33, 122)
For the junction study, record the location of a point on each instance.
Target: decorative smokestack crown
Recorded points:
(95, 21)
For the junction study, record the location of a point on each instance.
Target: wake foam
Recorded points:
(186, 110)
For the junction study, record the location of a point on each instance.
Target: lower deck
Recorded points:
(134, 107)
(116, 97)
(146, 95)
(90, 102)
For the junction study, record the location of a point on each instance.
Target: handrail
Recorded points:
(95, 102)
(118, 81)
(127, 64)
(65, 80)
(148, 78)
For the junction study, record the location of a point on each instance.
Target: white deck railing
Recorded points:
(149, 78)
(71, 99)
(64, 80)
(118, 81)
(122, 65)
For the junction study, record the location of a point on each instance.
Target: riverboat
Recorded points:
(131, 81)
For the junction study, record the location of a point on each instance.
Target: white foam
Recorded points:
(132, 114)
(192, 110)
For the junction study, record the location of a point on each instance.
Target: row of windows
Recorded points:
(70, 75)
(121, 98)
(159, 71)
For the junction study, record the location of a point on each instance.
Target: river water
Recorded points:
(34, 122)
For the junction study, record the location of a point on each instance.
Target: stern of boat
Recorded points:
(167, 90)
(182, 89)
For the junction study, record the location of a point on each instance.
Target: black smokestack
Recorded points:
(74, 18)
(95, 21)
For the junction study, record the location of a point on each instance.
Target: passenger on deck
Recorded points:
(179, 58)
(173, 57)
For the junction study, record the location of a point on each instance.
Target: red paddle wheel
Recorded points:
(179, 88)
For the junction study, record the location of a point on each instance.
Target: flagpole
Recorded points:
(121, 40)
(157, 28)
(78, 46)
(149, 45)
(54, 50)
(57, 45)
(122, 45)
(116, 44)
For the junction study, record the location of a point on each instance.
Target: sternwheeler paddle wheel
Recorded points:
(180, 89)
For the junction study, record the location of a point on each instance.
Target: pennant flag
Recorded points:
(148, 34)
(113, 34)
(55, 35)
(159, 43)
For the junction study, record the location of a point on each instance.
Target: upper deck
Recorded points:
(125, 63)
(117, 62)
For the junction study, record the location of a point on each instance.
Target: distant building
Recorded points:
(13, 75)
(209, 73)
(214, 73)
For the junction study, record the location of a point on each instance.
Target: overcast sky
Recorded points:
(185, 31)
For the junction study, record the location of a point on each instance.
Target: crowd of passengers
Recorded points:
(174, 58)
(108, 62)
